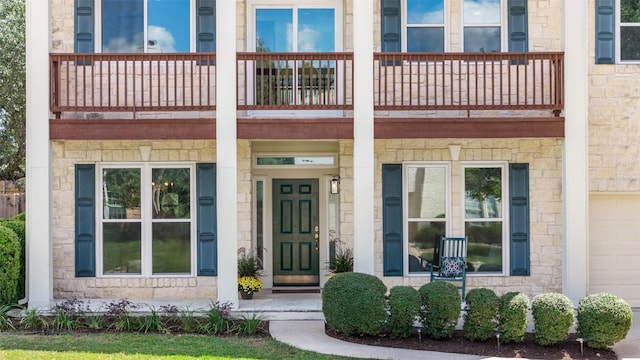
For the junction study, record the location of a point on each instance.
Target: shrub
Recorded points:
(440, 308)
(9, 265)
(512, 316)
(18, 227)
(404, 307)
(553, 315)
(481, 314)
(355, 303)
(603, 320)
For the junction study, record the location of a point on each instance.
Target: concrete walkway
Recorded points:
(310, 335)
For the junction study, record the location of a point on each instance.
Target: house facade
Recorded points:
(178, 133)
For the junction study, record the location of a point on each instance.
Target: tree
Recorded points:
(12, 89)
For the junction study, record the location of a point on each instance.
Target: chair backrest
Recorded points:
(453, 247)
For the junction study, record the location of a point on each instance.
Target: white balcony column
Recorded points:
(363, 147)
(227, 160)
(38, 197)
(575, 187)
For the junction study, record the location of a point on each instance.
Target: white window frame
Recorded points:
(405, 206)
(253, 5)
(504, 24)
(98, 26)
(618, 38)
(504, 166)
(146, 219)
(445, 25)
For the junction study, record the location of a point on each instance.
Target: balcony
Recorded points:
(407, 87)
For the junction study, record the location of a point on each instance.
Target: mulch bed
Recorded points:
(566, 350)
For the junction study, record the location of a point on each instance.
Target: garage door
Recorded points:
(614, 246)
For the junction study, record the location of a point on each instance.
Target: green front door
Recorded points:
(295, 232)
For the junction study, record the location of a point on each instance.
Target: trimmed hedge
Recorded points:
(404, 307)
(17, 224)
(553, 316)
(354, 303)
(512, 316)
(440, 312)
(9, 265)
(603, 320)
(481, 314)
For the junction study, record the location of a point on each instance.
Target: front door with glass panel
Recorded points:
(302, 81)
(295, 232)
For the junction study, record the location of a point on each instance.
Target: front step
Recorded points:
(288, 306)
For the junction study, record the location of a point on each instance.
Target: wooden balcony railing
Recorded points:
(469, 81)
(511, 82)
(295, 81)
(132, 82)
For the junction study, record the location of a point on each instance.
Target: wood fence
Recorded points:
(12, 204)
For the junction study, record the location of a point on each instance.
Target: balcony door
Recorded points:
(295, 73)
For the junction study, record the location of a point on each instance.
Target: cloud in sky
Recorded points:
(164, 42)
(481, 11)
(308, 39)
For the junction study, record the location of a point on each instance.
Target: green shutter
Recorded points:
(84, 26)
(207, 219)
(392, 244)
(518, 26)
(605, 31)
(519, 219)
(391, 25)
(85, 228)
(206, 26)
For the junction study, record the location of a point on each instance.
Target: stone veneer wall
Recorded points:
(65, 154)
(545, 178)
(614, 129)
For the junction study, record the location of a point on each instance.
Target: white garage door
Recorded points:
(614, 246)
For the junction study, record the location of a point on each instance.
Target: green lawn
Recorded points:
(151, 346)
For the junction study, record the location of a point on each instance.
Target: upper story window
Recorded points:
(629, 30)
(135, 26)
(425, 28)
(482, 22)
(454, 25)
(145, 26)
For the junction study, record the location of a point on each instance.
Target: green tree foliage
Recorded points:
(12, 89)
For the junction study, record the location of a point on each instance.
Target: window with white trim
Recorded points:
(628, 30)
(145, 25)
(146, 221)
(426, 28)
(484, 222)
(427, 211)
(428, 202)
(425, 25)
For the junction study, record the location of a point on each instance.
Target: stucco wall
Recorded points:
(65, 154)
(545, 177)
(614, 126)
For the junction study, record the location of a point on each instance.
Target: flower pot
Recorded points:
(245, 295)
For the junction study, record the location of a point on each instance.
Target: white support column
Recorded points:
(226, 149)
(576, 174)
(363, 148)
(38, 225)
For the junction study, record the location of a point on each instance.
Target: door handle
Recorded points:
(316, 235)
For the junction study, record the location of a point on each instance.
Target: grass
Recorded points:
(15, 346)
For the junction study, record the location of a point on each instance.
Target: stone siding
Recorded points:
(614, 129)
(545, 179)
(65, 154)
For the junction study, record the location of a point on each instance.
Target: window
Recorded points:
(427, 213)
(425, 30)
(425, 25)
(146, 224)
(629, 30)
(145, 26)
(483, 217)
(482, 22)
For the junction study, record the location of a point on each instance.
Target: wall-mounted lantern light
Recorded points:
(334, 188)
